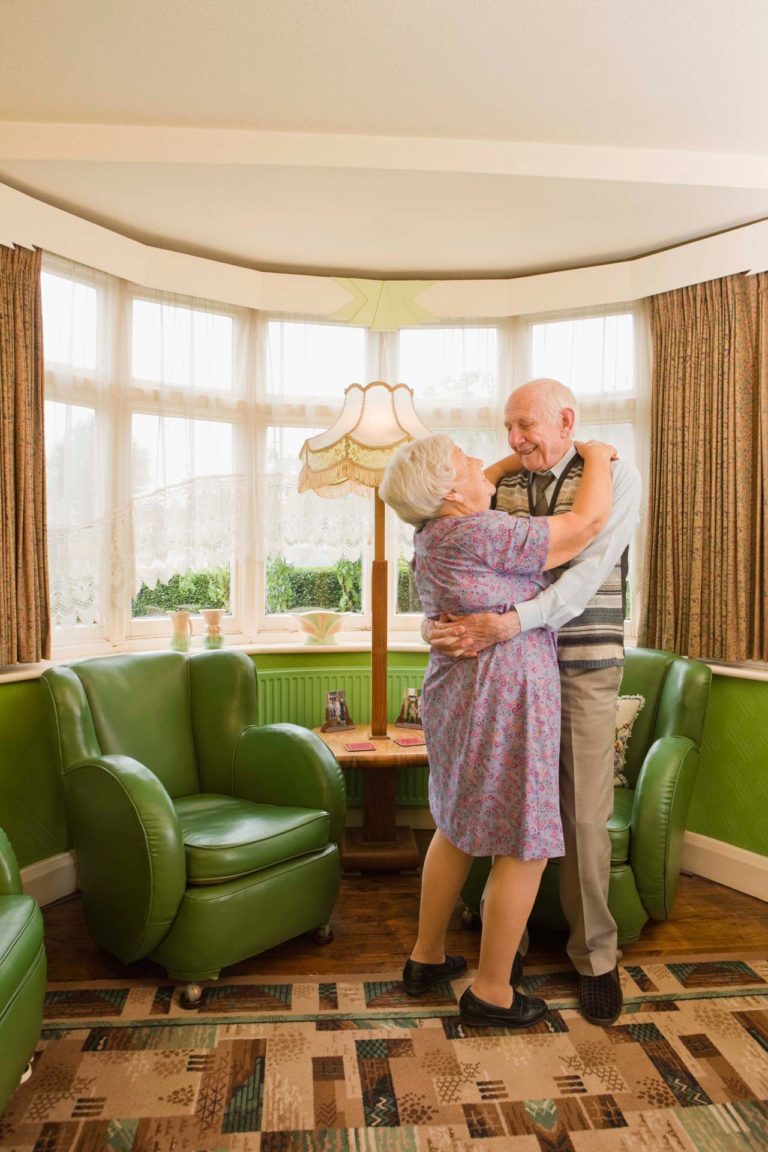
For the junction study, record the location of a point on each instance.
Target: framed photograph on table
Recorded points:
(337, 717)
(410, 712)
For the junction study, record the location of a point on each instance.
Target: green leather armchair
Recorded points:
(648, 821)
(22, 974)
(201, 838)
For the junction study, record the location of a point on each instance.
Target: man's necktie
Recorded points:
(541, 481)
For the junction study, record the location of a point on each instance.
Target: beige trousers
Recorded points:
(587, 737)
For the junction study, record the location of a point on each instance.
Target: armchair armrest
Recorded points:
(10, 877)
(287, 764)
(130, 852)
(662, 797)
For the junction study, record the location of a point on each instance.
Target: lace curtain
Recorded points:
(305, 368)
(143, 392)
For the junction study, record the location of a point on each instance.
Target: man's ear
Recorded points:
(567, 422)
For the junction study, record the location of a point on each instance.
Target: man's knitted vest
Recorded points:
(595, 639)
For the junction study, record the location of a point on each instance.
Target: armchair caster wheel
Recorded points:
(470, 919)
(323, 934)
(191, 996)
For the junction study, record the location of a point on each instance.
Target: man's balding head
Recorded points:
(540, 417)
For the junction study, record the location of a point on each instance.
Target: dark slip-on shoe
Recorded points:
(525, 1010)
(600, 997)
(419, 978)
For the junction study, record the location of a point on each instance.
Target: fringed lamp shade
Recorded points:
(351, 457)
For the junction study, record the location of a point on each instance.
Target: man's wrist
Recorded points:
(509, 625)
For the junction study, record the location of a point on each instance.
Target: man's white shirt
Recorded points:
(569, 595)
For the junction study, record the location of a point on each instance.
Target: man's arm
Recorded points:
(571, 592)
(563, 600)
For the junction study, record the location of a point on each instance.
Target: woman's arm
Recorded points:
(496, 471)
(571, 532)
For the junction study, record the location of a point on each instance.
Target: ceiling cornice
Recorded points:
(209, 146)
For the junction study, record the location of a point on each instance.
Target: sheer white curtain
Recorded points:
(188, 497)
(78, 305)
(306, 367)
(593, 352)
(143, 442)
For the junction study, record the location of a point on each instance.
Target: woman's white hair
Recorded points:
(418, 478)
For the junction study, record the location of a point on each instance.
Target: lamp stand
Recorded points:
(379, 625)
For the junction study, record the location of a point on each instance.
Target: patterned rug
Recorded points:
(354, 1065)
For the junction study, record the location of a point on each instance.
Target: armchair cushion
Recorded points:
(225, 838)
(627, 709)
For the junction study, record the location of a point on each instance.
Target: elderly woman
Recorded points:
(492, 724)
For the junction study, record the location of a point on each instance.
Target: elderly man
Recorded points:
(586, 607)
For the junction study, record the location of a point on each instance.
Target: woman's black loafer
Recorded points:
(525, 1010)
(419, 978)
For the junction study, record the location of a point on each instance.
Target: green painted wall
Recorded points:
(31, 798)
(729, 802)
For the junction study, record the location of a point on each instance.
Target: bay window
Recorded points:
(173, 432)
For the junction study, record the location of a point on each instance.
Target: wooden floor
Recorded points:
(375, 920)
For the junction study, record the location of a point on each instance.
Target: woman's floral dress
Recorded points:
(492, 724)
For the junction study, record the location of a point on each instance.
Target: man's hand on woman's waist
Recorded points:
(465, 636)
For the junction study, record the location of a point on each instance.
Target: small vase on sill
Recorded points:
(181, 635)
(213, 617)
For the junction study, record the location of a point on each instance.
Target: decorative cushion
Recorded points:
(627, 711)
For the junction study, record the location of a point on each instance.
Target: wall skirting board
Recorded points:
(733, 867)
(747, 872)
(51, 879)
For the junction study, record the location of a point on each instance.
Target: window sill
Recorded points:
(268, 643)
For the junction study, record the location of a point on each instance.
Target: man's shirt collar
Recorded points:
(558, 469)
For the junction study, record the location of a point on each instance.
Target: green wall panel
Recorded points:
(31, 797)
(730, 800)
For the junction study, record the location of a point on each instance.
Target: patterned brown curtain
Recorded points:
(24, 609)
(705, 572)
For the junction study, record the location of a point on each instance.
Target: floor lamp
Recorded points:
(351, 456)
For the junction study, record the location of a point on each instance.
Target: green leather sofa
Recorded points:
(648, 821)
(22, 973)
(201, 838)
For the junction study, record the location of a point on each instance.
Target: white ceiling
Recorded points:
(391, 138)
